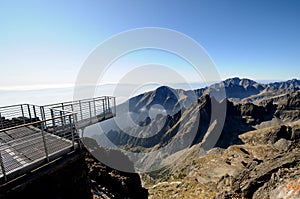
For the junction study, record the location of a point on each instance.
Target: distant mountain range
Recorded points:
(257, 154)
(255, 151)
(157, 118)
(177, 113)
(246, 90)
(236, 90)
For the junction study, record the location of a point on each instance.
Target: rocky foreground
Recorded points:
(106, 182)
(267, 165)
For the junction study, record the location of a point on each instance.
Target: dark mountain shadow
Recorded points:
(231, 128)
(108, 181)
(133, 143)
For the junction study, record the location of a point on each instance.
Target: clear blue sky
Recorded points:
(45, 42)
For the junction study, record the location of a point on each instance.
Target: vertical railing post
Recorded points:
(29, 112)
(42, 110)
(2, 167)
(75, 119)
(23, 116)
(82, 132)
(90, 111)
(62, 119)
(52, 116)
(95, 110)
(104, 106)
(1, 121)
(34, 112)
(108, 104)
(44, 141)
(72, 131)
(115, 107)
(80, 108)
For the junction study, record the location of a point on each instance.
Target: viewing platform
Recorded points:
(32, 135)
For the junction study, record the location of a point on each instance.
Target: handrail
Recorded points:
(58, 129)
(32, 123)
(62, 110)
(81, 100)
(9, 106)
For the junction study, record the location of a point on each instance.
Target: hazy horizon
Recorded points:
(62, 94)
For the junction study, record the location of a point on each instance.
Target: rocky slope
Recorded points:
(260, 161)
(255, 169)
(152, 134)
(236, 89)
(171, 100)
(167, 101)
(107, 182)
(256, 152)
(246, 90)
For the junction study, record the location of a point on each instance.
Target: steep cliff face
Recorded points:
(263, 164)
(255, 169)
(289, 107)
(258, 140)
(111, 183)
(107, 182)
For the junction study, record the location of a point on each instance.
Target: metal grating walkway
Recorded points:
(31, 135)
(25, 146)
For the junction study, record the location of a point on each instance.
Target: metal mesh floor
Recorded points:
(24, 146)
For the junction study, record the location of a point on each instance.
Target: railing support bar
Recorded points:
(52, 116)
(73, 129)
(23, 116)
(63, 120)
(34, 112)
(115, 107)
(104, 106)
(95, 110)
(29, 112)
(1, 120)
(3, 168)
(90, 111)
(80, 108)
(45, 144)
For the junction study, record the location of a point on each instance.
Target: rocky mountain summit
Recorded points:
(235, 89)
(256, 155)
(196, 119)
(246, 90)
(243, 145)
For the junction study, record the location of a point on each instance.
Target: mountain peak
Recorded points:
(235, 81)
(164, 89)
(289, 84)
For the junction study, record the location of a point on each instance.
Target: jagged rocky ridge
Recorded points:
(264, 163)
(240, 118)
(261, 125)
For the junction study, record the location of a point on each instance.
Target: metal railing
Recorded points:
(88, 111)
(32, 135)
(19, 114)
(86, 108)
(27, 146)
